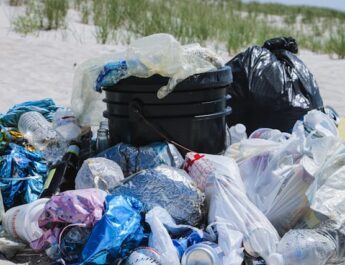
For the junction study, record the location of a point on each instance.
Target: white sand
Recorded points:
(35, 67)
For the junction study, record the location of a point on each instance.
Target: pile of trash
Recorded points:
(273, 197)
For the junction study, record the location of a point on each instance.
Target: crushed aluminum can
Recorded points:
(205, 253)
(144, 256)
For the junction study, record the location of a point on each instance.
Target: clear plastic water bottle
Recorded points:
(304, 247)
(39, 132)
(66, 124)
(237, 133)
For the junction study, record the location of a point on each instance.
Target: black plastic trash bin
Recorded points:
(193, 115)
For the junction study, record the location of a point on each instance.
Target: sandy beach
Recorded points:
(42, 65)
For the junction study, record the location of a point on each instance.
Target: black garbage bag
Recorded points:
(271, 89)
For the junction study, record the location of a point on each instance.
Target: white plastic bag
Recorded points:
(329, 197)
(277, 180)
(160, 239)
(230, 206)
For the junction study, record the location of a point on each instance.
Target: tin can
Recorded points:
(144, 256)
(205, 253)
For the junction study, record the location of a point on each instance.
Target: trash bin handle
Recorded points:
(136, 111)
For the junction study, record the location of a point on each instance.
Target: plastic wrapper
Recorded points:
(46, 107)
(163, 54)
(160, 54)
(169, 188)
(98, 172)
(229, 206)
(277, 87)
(70, 207)
(160, 238)
(72, 243)
(133, 159)
(117, 233)
(86, 103)
(111, 74)
(22, 175)
(10, 135)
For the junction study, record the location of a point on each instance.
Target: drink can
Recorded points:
(205, 253)
(144, 256)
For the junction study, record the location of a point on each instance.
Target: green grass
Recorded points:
(229, 22)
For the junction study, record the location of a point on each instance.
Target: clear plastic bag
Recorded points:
(98, 172)
(132, 159)
(86, 103)
(228, 204)
(162, 54)
(277, 181)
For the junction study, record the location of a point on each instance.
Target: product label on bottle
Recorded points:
(49, 178)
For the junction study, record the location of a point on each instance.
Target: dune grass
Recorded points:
(230, 22)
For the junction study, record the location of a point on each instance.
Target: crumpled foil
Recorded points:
(169, 188)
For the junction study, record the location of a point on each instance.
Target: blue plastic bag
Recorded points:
(133, 159)
(46, 107)
(22, 175)
(111, 74)
(117, 233)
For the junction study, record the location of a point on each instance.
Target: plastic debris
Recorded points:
(133, 159)
(22, 174)
(70, 207)
(117, 233)
(228, 205)
(276, 86)
(46, 107)
(40, 133)
(66, 124)
(160, 239)
(99, 173)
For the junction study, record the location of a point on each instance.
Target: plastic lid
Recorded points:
(275, 259)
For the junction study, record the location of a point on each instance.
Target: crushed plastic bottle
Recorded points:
(42, 136)
(304, 247)
(65, 123)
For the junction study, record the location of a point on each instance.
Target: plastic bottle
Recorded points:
(102, 141)
(237, 133)
(66, 124)
(62, 176)
(41, 135)
(304, 247)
